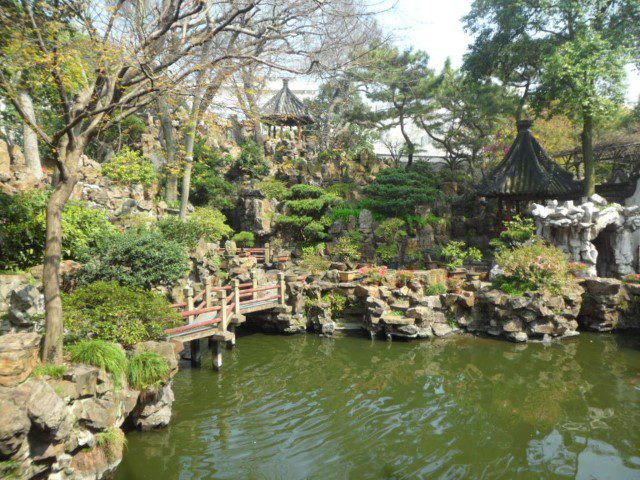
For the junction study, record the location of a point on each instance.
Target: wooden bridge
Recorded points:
(214, 313)
(264, 254)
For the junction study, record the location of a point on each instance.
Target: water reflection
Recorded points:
(305, 407)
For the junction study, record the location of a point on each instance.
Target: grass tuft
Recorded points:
(106, 355)
(111, 440)
(147, 370)
(50, 370)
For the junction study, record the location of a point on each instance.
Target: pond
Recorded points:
(304, 407)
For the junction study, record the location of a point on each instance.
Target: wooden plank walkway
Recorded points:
(214, 312)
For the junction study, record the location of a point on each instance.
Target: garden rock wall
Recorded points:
(530, 316)
(118, 200)
(69, 427)
(606, 237)
(610, 304)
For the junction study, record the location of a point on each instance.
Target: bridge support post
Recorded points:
(254, 284)
(267, 252)
(217, 355)
(208, 291)
(236, 297)
(281, 288)
(223, 310)
(194, 345)
(232, 343)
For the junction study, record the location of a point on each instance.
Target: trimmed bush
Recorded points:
(106, 355)
(307, 217)
(147, 370)
(139, 258)
(244, 239)
(130, 167)
(23, 229)
(272, 188)
(397, 191)
(111, 312)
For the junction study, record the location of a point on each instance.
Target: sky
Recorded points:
(435, 27)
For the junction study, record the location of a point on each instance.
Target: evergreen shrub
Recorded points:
(111, 312)
(137, 258)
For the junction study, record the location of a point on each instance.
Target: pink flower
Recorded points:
(362, 270)
(383, 271)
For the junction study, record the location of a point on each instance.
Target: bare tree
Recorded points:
(137, 50)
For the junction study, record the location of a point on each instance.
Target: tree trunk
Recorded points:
(587, 156)
(171, 187)
(31, 152)
(410, 147)
(186, 175)
(52, 351)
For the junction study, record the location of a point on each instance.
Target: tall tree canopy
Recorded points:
(569, 54)
(401, 85)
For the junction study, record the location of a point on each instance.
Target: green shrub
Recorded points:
(515, 233)
(140, 258)
(111, 312)
(23, 229)
(129, 167)
(251, 161)
(147, 370)
(312, 259)
(307, 218)
(244, 239)
(348, 247)
(391, 231)
(343, 189)
(436, 289)
(208, 186)
(106, 355)
(534, 266)
(456, 254)
(272, 188)
(388, 252)
(302, 190)
(184, 232)
(397, 191)
(343, 213)
(336, 300)
(212, 222)
(50, 370)
(207, 223)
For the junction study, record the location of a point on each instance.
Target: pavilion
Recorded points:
(285, 109)
(527, 173)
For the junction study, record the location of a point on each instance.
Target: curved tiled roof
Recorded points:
(284, 108)
(528, 172)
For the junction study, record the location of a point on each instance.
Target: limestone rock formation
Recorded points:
(604, 236)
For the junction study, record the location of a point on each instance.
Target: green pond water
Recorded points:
(304, 407)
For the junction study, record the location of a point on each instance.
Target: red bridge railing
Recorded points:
(227, 301)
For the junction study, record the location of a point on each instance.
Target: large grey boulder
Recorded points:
(48, 411)
(26, 307)
(154, 410)
(14, 426)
